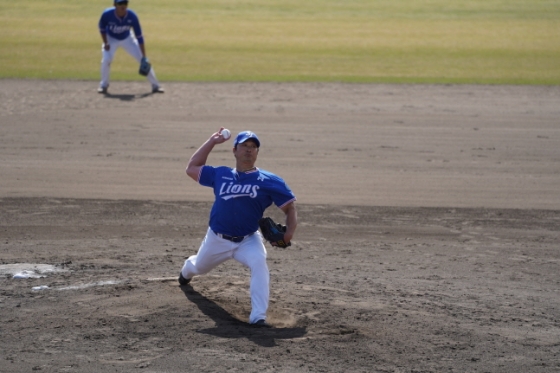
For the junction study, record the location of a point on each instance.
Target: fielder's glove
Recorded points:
(145, 67)
(273, 233)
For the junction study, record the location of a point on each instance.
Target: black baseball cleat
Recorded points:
(261, 324)
(102, 90)
(157, 89)
(183, 281)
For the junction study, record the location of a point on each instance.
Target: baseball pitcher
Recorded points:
(242, 194)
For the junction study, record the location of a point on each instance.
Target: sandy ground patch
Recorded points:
(428, 237)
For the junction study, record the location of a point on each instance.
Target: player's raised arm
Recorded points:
(199, 158)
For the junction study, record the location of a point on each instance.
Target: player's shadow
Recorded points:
(127, 97)
(228, 326)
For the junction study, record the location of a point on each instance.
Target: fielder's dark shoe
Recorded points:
(102, 90)
(183, 281)
(157, 89)
(261, 324)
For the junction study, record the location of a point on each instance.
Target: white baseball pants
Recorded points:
(249, 252)
(130, 44)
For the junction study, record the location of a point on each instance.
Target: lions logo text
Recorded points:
(230, 190)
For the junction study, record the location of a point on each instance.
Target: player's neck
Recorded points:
(245, 167)
(120, 13)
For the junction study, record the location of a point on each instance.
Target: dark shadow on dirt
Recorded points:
(127, 97)
(228, 326)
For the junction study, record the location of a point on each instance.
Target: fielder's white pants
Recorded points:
(130, 44)
(249, 252)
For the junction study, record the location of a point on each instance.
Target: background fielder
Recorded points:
(242, 194)
(114, 25)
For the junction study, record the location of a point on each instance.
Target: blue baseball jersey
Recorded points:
(242, 197)
(119, 28)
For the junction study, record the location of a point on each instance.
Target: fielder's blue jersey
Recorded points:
(119, 28)
(242, 197)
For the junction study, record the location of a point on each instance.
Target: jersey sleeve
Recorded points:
(103, 23)
(206, 176)
(137, 28)
(281, 193)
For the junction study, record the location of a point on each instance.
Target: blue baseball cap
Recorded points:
(121, 1)
(246, 135)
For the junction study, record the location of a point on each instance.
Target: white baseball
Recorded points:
(226, 134)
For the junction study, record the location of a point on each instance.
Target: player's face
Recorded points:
(121, 8)
(246, 152)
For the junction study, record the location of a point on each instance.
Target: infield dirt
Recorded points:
(428, 237)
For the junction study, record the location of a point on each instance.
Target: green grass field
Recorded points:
(391, 41)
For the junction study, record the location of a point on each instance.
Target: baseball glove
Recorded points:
(145, 67)
(273, 232)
